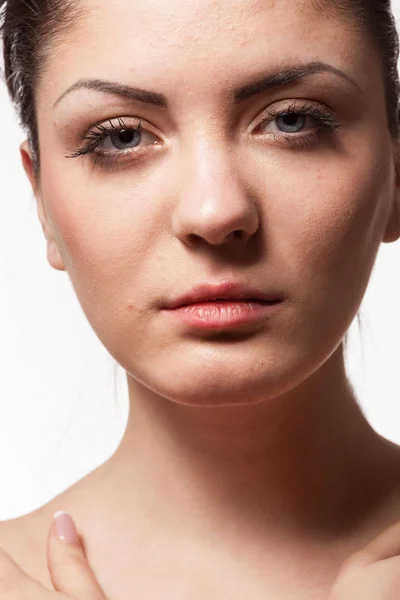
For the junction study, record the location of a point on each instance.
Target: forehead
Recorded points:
(200, 43)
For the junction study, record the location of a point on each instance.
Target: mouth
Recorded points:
(229, 306)
(227, 301)
(225, 293)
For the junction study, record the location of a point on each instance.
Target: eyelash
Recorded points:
(97, 135)
(326, 122)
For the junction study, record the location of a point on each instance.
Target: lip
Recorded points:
(226, 291)
(224, 306)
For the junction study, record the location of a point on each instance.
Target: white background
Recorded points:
(63, 398)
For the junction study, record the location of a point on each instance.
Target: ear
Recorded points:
(392, 232)
(53, 254)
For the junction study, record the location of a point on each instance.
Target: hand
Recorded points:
(372, 573)
(70, 573)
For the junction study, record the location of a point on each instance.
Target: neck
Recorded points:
(306, 460)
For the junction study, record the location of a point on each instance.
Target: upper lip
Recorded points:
(223, 291)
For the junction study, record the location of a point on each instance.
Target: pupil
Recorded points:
(126, 136)
(293, 121)
(291, 118)
(124, 139)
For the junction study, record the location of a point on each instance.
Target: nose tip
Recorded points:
(217, 210)
(219, 231)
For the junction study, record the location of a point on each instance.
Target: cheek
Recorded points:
(110, 238)
(327, 231)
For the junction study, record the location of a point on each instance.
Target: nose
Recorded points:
(213, 205)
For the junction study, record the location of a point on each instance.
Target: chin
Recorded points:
(217, 377)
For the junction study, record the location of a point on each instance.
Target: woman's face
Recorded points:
(216, 187)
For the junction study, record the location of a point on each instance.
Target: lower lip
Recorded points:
(224, 315)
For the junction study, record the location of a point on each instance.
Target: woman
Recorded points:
(217, 183)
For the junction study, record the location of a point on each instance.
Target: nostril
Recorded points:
(194, 238)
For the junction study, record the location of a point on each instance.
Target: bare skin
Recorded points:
(124, 559)
(246, 468)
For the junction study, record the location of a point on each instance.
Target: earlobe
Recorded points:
(392, 232)
(53, 254)
(27, 163)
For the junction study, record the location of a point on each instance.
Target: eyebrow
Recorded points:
(240, 94)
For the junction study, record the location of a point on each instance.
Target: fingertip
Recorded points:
(64, 528)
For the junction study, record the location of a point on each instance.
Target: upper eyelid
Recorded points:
(107, 128)
(298, 105)
(110, 127)
(145, 125)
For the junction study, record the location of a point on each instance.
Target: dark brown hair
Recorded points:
(29, 28)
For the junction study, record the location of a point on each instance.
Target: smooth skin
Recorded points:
(247, 468)
(369, 574)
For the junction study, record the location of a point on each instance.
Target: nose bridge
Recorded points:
(212, 198)
(210, 169)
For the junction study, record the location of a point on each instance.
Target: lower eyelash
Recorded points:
(103, 159)
(300, 141)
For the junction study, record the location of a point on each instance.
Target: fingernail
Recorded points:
(65, 528)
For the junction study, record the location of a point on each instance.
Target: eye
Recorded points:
(127, 138)
(123, 139)
(112, 140)
(288, 126)
(290, 122)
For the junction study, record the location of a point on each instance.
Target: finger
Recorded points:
(69, 569)
(15, 583)
(385, 545)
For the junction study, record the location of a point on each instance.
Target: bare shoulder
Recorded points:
(23, 540)
(386, 509)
